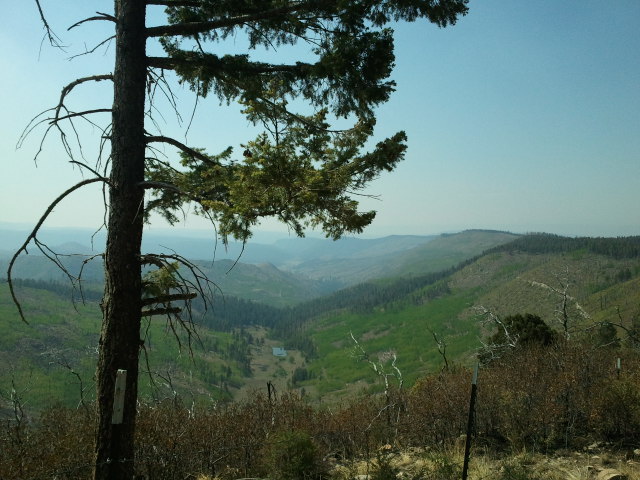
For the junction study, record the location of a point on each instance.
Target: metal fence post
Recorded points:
(472, 406)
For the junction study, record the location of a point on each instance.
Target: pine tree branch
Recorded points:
(181, 146)
(162, 186)
(193, 28)
(215, 62)
(176, 3)
(201, 283)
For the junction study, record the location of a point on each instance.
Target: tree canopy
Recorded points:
(300, 169)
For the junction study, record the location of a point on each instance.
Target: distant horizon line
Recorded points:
(185, 231)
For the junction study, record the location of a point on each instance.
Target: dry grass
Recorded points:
(422, 464)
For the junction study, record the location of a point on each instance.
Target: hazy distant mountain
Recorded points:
(197, 245)
(310, 257)
(399, 256)
(315, 266)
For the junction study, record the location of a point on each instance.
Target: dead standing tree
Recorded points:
(567, 308)
(299, 171)
(388, 358)
(508, 340)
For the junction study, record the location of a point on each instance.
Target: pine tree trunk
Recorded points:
(120, 335)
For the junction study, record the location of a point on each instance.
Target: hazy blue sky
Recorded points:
(525, 116)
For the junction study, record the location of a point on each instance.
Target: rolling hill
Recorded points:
(394, 317)
(596, 286)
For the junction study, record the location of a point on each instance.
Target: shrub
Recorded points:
(443, 467)
(292, 455)
(544, 397)
(617, 410)
(383, 468)
(516, 469)
(438, 408)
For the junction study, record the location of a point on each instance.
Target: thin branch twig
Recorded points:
(54, 40)
(100, 16)
(34, 234)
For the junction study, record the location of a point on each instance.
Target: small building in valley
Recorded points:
(279, 352)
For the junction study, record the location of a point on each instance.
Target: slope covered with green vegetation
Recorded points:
(333, 342)
(574, 288)
(52, 358)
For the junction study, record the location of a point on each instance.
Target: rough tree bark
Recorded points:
(120, 335)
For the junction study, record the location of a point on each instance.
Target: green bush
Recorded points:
(292, 455)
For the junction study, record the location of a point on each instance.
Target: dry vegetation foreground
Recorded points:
(555, 412)
(594, 464)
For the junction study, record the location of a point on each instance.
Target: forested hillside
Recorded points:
(422, 321)
(618, 248)
(582, 289)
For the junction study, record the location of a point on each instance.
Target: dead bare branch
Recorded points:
(54, 40)
(59, 358)
(100, 17)
(95, 47)
(565, 300)
(380, 370)
(85, 166)
(80, 114)
(378, 367)
(53, 119)
(84, 263)
(169, 298)
(55, 258)
(69, 87)
(511, 340)
(34, 233)
(442, 348)
(159, 82)
(494, 351)
(161, 311)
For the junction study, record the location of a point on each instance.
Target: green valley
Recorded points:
(332, 341)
